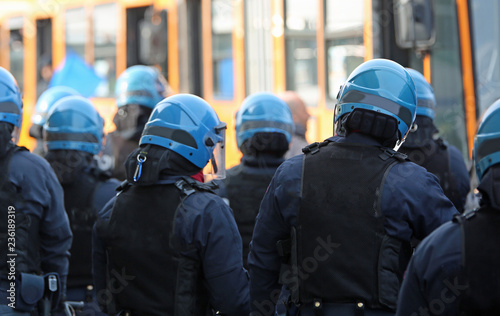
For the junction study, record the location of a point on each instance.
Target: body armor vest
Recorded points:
(481, 259)
(19, 232)
(141, 244)
(340, 252)
(434, 156)
(245, 192)
(82, 214)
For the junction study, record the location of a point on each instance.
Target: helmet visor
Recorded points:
(216, 167)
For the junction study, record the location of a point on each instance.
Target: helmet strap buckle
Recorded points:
(138, 170)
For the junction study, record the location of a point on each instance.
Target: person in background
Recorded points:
(44, 74)
(426, 148)
(335, 224)
(264, 127)
(455, 270)
(300, 118)
(73, 134)
(167, 245)
(43, 105)
(138, 89)
(34, 228)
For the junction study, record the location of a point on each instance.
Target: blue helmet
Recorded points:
(11, 103)
(189, 126)
(426, 101)
(382, 86)
(263, 112)
(73, 123)
(486, 151)
(141, 85)
(47, 99)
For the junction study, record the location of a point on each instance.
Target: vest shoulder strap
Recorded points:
(391, 153)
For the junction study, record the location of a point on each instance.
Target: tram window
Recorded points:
(301, 49)
(147, 42)
(222, 49)
(258, 46)
(134, 16)
(343, 56)
(302, 70)
(344, 17)
(44, 54)
(153, 40)
(447, 77)
(105, 31)
(76, 27)
(344, 41)
(301, 15)
(486, 41)
(16, 50)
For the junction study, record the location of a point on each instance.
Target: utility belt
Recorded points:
(318, 308)
(134, 313)
(31, 292)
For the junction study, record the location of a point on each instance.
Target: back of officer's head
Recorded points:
(486, 155)
(264, 124)
(138, 89)
(72, 135)
(426, 101)
(43, 105)
(378, 99)
(11, 108)
(423, 129)
(183, 131)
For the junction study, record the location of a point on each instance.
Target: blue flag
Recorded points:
(73, 72)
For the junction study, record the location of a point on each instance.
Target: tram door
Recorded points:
(16, 50)
(43, 55)
(147, 38)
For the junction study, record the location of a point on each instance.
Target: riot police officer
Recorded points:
(35, 231)
(335, 223)
(173, 246)
(425, 147)
(264, 127)
(43, 105)
(455, 270)
(138, 89)
(73, 134)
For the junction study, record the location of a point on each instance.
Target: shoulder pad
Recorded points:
(124, 186)
(188, 186)
(460, 218)
(20, 148)
(100, 174)
(314, 147)
(14, 149)
(442, 143)
(391, 153)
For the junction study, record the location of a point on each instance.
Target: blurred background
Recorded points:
(224, 50)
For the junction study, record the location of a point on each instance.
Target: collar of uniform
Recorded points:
(168, 179)
(262, 160)
(357, 138)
